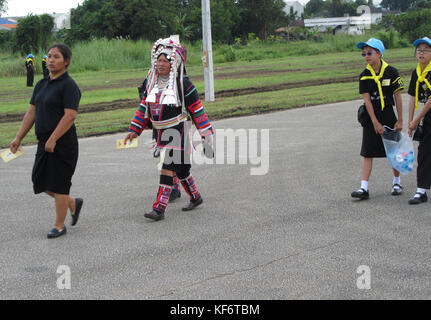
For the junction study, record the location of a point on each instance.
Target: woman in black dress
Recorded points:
(53, 109)
(379, 84)
(420, 91)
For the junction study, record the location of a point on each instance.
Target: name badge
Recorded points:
(386, 82)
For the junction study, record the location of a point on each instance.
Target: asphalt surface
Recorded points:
(292, 233)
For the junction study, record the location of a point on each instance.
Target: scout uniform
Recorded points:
(420, 88)
(381, 87)
(382, 98)
(44, 67)
(29, 65)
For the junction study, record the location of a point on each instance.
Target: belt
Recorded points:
(164, 124)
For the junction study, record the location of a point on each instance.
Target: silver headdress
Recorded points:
(176, 54)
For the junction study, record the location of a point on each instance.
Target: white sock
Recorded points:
(364, 185)
(420, 190)
(397, 180)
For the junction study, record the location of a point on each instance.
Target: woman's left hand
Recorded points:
(50, 146)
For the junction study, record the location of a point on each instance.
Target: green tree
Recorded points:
(27, 35)
(421, 4)
(314, 8)
(148, 19)
(225, 19)
(3, 6)
(181, 28)
(261, 17)
(335, 8)
(413, 25)
(401, 5)
(46, 30)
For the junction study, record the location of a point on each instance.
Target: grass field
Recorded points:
(242, 88)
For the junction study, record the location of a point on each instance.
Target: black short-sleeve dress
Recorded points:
(372, 144)
(53, 171)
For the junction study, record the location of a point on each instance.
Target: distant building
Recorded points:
(61, 21)
(7, 24)
(297, 7)
(349, 25)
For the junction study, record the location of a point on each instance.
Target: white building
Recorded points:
(297, 7)
(349, 25)
(61, 20)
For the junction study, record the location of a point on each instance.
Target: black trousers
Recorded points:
(424, 159)
(179, 162)
(30, 78)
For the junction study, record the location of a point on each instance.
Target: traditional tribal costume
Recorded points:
(166, 105)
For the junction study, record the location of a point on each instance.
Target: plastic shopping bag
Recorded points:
(399, 150)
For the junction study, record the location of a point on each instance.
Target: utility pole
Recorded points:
(207, 54)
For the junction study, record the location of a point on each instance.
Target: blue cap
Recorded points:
(30, 56)
(45, 57)
(425, 40)
(373, 43)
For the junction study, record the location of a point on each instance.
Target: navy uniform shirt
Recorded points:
(51, 97)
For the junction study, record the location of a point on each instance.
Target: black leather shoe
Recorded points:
(55, 233)
(361, 194)
(193, 204)
(175, 194)
(397, 189)
(419, 198)
(75, 216)
(155, 215)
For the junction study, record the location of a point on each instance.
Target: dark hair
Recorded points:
(64, 50)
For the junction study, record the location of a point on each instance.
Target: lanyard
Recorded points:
(421, 78)
(377, 80)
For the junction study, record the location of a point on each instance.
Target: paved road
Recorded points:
(293, 233)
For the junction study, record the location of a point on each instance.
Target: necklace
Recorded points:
(163, 82)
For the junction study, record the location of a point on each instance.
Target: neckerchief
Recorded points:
(421, 78)
(377, 80)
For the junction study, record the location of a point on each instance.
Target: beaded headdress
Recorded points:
(177, 56)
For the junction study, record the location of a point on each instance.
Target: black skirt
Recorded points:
(53, 171)
(372, 144)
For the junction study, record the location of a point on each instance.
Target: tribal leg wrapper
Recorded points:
(176, 184)
(165, 189)
(191, 188)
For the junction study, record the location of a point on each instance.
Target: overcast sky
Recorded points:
(25, 7)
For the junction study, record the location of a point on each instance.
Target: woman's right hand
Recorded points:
(130, 136)
(14, 145)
